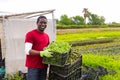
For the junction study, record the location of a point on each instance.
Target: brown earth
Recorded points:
(63, 31)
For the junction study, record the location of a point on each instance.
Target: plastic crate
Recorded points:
(76, 75)
(57, 59)
(67, 68)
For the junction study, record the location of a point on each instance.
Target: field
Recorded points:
(100, 49)
(84, 34)
(102, 59)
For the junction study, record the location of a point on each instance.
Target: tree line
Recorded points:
(93, 19)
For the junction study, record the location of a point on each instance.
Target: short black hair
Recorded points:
(40, 17)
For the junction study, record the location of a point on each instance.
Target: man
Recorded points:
(35, 41)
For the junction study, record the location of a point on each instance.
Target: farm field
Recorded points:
(86, 34)
(95, 56)
(100, 49)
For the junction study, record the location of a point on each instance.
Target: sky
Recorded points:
(107, 8)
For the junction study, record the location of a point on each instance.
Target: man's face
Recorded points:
(42, 23)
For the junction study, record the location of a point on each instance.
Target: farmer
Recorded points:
(35, 41)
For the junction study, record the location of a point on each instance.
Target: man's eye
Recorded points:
(43, 22)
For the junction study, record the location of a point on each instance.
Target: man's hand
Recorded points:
(45, 53)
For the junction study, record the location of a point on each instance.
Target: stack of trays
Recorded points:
(73, 76)
(71, 71)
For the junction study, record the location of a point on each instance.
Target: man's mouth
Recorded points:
(42, 27)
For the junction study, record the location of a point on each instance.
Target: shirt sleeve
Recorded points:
(28, 47)
(29, 37)
(28, 42)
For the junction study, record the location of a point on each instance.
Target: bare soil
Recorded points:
(64, 31)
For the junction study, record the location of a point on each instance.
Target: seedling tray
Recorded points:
(58, 59)
(67, 68)
(73, 76)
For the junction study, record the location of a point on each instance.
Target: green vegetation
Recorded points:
(60, 52)
(86, 35)
(79, 21)
(59, 47)
(104, 54)
(93, 19)
(89, 35)
(98, 46)
(15, 76)
(111, 62)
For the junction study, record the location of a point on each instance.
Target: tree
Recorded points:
(94, 19)
(86, 13)
(78, 20)
(65, 20)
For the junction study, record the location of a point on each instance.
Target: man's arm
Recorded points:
(29, 50)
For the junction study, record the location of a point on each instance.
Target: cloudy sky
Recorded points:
(107, 8)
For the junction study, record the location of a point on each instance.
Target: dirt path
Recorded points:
(63, 31)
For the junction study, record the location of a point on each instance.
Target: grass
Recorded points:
(109, 61)
(85, 34)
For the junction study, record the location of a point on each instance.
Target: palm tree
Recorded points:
(86, 13)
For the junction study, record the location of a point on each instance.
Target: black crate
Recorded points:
(57, 59)
(67, 68)
(76, 75)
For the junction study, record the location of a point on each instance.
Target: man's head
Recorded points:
(41, 23)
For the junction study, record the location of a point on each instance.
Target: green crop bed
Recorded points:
(106, 55)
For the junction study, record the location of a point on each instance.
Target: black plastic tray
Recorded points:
(68, 68)
(76, 75)
(57, 59)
